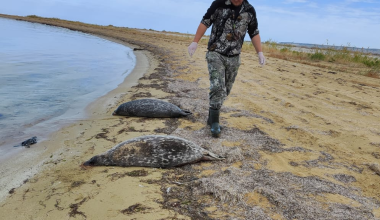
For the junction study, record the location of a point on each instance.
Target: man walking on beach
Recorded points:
(231, 19)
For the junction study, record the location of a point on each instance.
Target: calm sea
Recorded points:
(48, 75)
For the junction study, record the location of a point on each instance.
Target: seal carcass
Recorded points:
(29, 142)
(153, 151)
(152, 108)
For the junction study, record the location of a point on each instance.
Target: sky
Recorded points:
(353, 23)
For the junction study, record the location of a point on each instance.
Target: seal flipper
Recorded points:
(209, 156)
(185, 113)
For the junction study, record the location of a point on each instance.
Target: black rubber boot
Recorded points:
(209, 118)
(209, 121)
(214, 121)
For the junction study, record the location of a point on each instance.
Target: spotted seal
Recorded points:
(153, 151)
(28, 142)
(152, 108)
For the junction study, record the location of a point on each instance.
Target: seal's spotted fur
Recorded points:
(152, 108)
(153, 151)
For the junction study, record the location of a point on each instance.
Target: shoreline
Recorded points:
(17, 168)
(76, 110)
(58, 166)
(299, 140)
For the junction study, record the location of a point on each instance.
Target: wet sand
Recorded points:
(301, 141)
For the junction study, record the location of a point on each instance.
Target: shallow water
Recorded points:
(48, 75)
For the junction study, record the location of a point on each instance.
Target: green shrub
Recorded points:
(317, 56)
(271, 44)
(371, 62)
(283, 50)
(296, 53)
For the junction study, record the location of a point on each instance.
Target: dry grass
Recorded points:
(358, 62)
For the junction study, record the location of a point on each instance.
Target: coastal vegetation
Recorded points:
(334, 58)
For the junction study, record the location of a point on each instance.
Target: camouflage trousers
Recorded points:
(222, 73)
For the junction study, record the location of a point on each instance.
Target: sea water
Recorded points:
(49, 72)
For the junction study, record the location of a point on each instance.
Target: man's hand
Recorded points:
(191, 49)
(261, 58)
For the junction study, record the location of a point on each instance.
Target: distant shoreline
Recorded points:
(321, 46)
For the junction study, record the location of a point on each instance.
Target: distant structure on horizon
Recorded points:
(364, 50)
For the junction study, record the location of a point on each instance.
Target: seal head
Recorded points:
(99, 160)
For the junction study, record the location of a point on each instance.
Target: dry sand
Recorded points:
(302, 142)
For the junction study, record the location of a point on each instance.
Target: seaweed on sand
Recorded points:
(134, 209)
(74, 209)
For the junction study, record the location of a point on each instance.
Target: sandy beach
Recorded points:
(301, 142)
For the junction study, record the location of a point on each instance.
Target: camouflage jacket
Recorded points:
(230, 24)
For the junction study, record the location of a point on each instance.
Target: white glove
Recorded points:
(191, 49)
(261, 58)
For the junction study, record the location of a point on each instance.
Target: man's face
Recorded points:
(237, 2)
